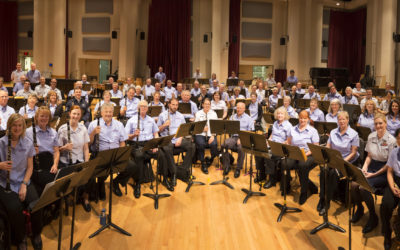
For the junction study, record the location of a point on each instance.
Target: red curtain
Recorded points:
(234, 36)
(168, 43)
(8, 38)
(280, 75)
(347, 34)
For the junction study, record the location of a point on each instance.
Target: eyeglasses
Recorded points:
(3, 97)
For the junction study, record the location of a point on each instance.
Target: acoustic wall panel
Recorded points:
(96, 44)
(256, 50)
(96, 25)
(25, 43)
(25, 8)
(256, 9)
(99, 6)
(256, 30)
(25, 25)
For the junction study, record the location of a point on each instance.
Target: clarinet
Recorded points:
(26, 103)
(169, 118)
(8, 188)
(138, 124)
(69, 141)
(35, 142)
(98, 138)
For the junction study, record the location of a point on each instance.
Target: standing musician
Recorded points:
(140, 129)
(168, 123)
(29, 110)
(129, 105)
(16, 168)
(255, 111)
(334, 108)
(217, 103)
(111, 135)
(379, 146)
(315, 113)
(206, 138)
(346, 141)
(233, 143)
(106, 99)
(349, 98)
(81, 102)
(5, 110)
(148, 89)
(193, 106)
(115, 92)
(366, 118)
(299, 136)
(75, 149)
(47, 151)
(54, 104)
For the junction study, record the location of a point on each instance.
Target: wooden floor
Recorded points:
(213, 217)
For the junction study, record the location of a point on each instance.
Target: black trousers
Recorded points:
(201, 142)
(122, 177)
(13, 206)
(270, 167)
(389, 203)
(138, 166)
(231, 143)
(169, 165)
(303, 169)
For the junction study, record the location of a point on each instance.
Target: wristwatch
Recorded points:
(25, 182)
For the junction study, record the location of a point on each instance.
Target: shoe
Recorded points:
(204, 168)
(37, 242)
(226, 170)
(259, 178)
(387, 243)
(313, 189)
(269, 184)
(86, 206)
(320, 204)
(371, 224)
(102, 191)
(358, 214)
(116, 189)
(207, 160)
(237, 173)
(136, 191)
(303, 198)
(173, 180)
(168, 185)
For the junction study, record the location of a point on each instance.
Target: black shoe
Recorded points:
(102, 191)
(86, 206)
(259, 178)
(116, 189)
(387, 243)
(313, 189)
(303, 198)
(269, 184)
(204, 168)
(320, 205)
(136, 191)
(207, 160)
(173, 180)
(237, 173)
(358, 214)
(371, 224)
(226, 170)
(168, 185)
(37, 242)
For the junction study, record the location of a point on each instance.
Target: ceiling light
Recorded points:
(337, 4)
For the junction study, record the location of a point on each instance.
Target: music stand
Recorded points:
(324, 105)
(364, 132)
(253, 144)
(324, 128)
(191, 129)
(291, 152)
(154, 111)
(115, 100)
(223, 127)
(326, 156)
(219, 112)
(353, 110)
(269, 118)
(112, 160)
(232, 82)
(303, 103)
(117, 110)
(185, 108)
(230, 112)
(157, 143)
(294, 121)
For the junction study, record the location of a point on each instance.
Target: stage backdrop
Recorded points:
(347, 34)
(169, 38)
(8, 38)
(234, 36)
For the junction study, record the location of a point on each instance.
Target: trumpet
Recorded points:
(8, 188)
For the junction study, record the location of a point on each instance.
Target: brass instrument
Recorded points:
(35, 142)
(69, 141)
(8, 188)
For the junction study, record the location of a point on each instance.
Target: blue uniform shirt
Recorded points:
(343, 143)
(5, 113)
(311, 96)
(30, 112)
(160, 76)
(392, 125)
(394, 161)
(110, 136)
(317, 115)
(148, 90)
(367, 121)
(131, 106)
(331, 118)
(291, 112)
(195, 92)
(253, 107)
(349, 100)
(193, 107)
(246, 123)
(169, 91)
(46, 139)
(176, 120)
(18, 86)
(280, 132)
(117, 94)
(147, 127)
(301, 138)
(330, 97)
(273, 100)
(212, 89)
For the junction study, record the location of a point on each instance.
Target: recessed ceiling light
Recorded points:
(337, 4)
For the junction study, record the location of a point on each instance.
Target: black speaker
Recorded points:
(282, 41)
(324, 43)
(205, 38)
(142, 35)
(234, 39)
(69, 34)
(30, 33)
(114, 34)
(396, 37)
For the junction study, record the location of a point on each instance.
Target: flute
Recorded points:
(69, 141)
(8, 188)
(35, 142)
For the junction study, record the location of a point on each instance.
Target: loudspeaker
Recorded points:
(205, 38)
(114, 34)
(142, 35)
(282, 41)
(396, 37)
(234, 39)
(69, 34)
(30, 33)
(324, 43)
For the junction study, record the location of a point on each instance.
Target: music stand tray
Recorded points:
(154, 111)
(185, 108)
(219, 112)
(325, 127)
(364, 132)
(115, 100)
(269, 118)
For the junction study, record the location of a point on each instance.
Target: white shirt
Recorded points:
(201, 116)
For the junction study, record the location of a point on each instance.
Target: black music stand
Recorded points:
(303, 103)
(223, 127)
(364, 132)
(117, 110)
(269, 118)
(324, 128)
(254, 144)
(185, 108)
(112, 160)
(154, 111)
(292, 152)
(191, 129)
(326, 156)
(232, 82)
(220, 113)
(294, 121)
(157, 143)
(353, 110)
(324, 105)
(115, 100)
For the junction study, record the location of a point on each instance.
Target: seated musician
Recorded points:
(139, 135)
(260, 90)
(299, 136)
(270, 82)
(233, 143)
(157, 88)
(129, 84)
(391, 195)
(214, 88)
(106, 99)
(203, 94)
(78, 150)
(346, 141)
(299, 90)
(111, 135)
(26, 91)
(236, 95)
(379, 146)
(206, 138)
(293, 94)
(217, 104)
(169, 91)
(78, 100)
(393, 117)
(42, 88)
(366, 118)
(312, 94)
(224, 95)
(253, 88)
(193, 106)
(129, 105)
(19, 85)
(84, 94)
(273, 99)
(195, 91)
(256, 111)
(53, 87)
(148, 89)
(23, 191)
(156, 102)
(138, 93)
(168, 124)
(315, 113)
(213, 77)
(5, 110)
(54, 104)
(29, 110)
(179, 90)
(47, 149)
(287, 104)
(384, 105)
(115, 92)
(242, 86)
(333, 94)
(334, 108)
(281, 90)
(368, 97)
(358, 91)
(349, 98)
